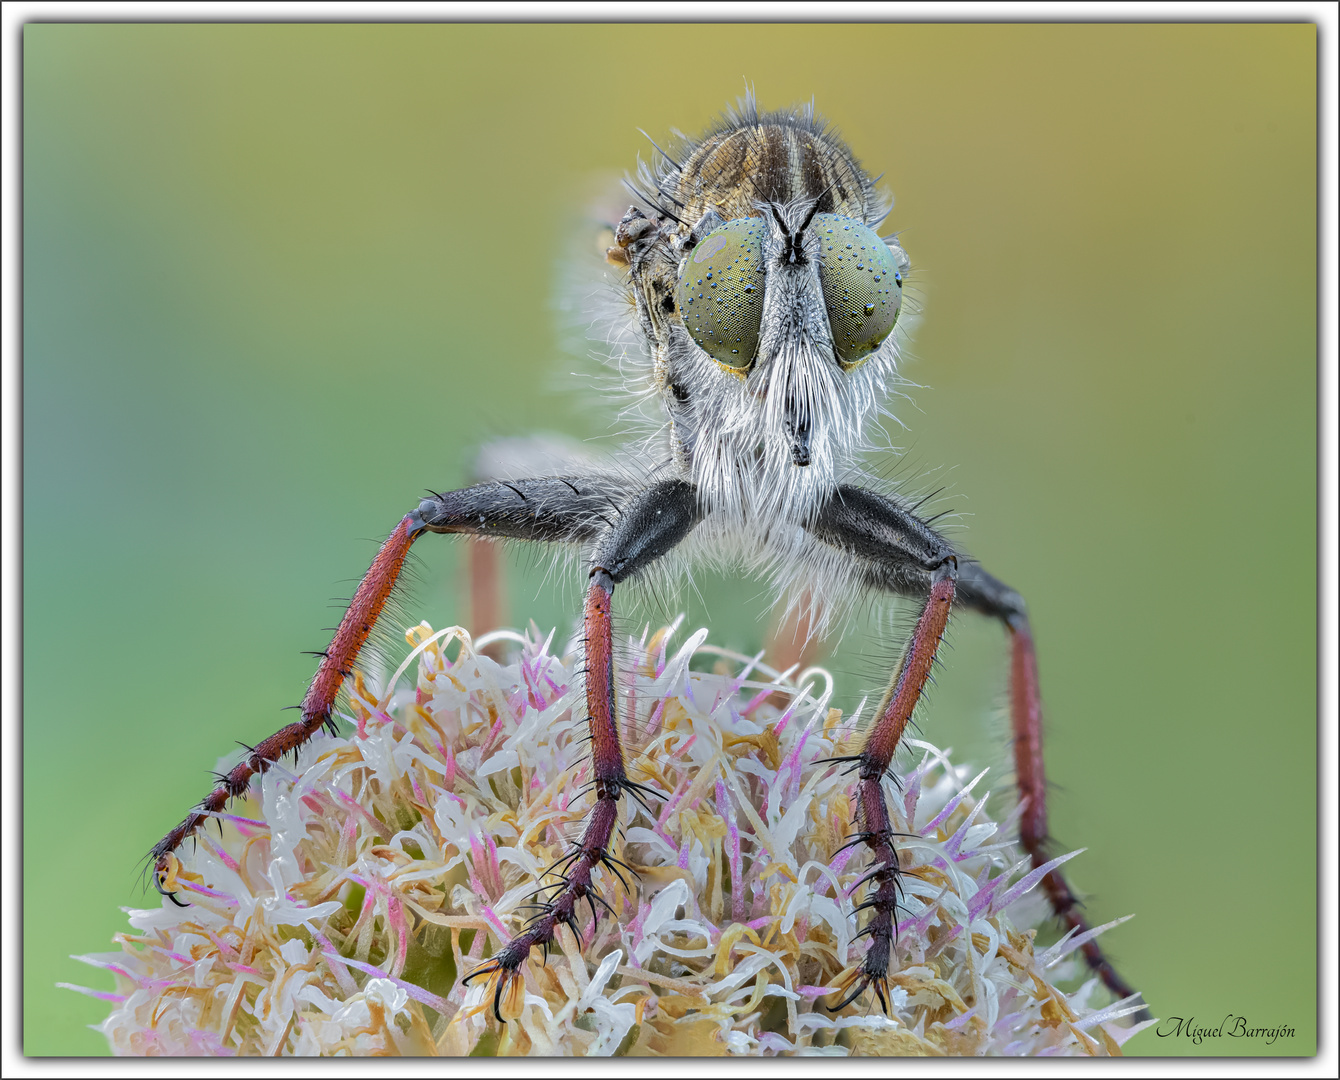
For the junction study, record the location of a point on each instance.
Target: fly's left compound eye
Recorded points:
(720, 294)
(862, 282)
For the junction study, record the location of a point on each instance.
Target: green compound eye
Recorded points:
(862, 283)
(720, 293)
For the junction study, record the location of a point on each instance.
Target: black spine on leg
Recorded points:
(557, 509)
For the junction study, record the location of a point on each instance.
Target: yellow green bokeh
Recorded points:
(279, 279)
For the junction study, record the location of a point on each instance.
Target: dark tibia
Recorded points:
(650, 524)
(983, 593)
(571, 509)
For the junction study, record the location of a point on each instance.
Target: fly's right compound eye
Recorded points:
(720, 294)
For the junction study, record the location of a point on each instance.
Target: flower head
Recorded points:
(351, 894)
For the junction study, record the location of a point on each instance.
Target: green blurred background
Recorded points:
(280, 279)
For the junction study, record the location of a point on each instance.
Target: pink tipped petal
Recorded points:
(445, 851)
(1028, 881)
(952, 805)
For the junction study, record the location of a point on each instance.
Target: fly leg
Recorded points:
(897, 553)
(901, 554)
(649, 524)
(982, 592)
(555, 509)
(502, 460)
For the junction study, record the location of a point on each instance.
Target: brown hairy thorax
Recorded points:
(778, 158)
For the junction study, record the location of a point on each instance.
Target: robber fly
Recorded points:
(765, 305)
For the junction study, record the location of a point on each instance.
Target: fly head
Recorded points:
(768, 302)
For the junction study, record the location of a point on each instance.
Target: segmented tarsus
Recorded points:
(575, 883)
(872, 813)
(317, 706)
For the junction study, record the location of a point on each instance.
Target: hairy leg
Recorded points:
(910, 558)
(898, 553)
(648, 525)
(555, 509)
(986, 594)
